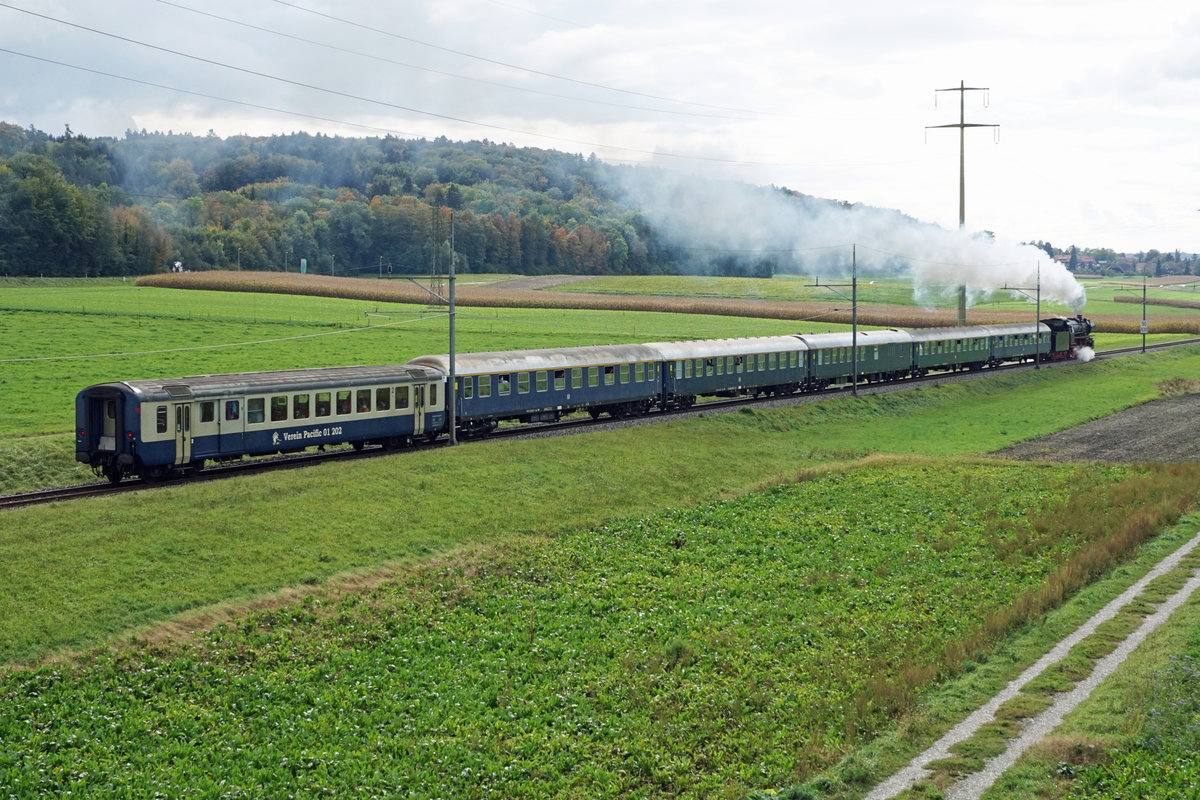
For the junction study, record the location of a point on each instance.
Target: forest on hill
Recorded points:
(72, 205)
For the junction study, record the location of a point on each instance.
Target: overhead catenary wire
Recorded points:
(507, 65)
(444, 73)
(387, 104)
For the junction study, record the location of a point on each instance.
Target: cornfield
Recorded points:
(496, 296)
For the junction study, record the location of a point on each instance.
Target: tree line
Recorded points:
(72, 205)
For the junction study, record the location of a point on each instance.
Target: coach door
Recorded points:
(418, 409)
(108, 429)
(183, 433)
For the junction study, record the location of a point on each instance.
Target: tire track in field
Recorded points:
(972, 786)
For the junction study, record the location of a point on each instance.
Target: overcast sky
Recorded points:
(1097, 102)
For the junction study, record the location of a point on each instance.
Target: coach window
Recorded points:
(485, 385)
(593, 377)
(610, 376)
(160, 419)
(467, 385)
(343, 402)
(362, 401)
(432, 394)
(542, 380)
(523, 383)
(576, 377)
(208, 412)
(503, 384)
(639, 372)
(256, 410)
(624, 373)
(324, 404)
(560, 380)
(401, 398)
(231, 410)
(300, 406)
(383, 398)
(278, 408)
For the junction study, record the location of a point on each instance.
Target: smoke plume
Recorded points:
(734, 227)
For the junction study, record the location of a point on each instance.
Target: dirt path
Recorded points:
(971, 787)
(1162, 430)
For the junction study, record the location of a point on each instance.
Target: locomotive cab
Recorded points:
(1068, 335)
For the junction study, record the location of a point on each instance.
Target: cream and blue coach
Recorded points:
(153, 427)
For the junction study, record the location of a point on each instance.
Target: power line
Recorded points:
(202, 94)
(505, 64)
(444, 73)
(962, 126)
(384, 103)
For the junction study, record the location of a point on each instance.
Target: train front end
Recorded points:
(1071, 337)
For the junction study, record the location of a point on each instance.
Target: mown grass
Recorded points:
(100, 567)
(696, 653)
(66, 338)
(583, 714)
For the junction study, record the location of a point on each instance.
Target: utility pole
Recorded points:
(452, 401)
(833, 287)
(962, 126)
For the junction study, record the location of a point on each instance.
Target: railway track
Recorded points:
(520, 431)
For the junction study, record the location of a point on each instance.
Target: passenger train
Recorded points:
(151, 428)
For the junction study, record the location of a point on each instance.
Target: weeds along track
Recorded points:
(974, 785)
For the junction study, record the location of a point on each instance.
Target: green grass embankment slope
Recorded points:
(82, 572)
(547, 629)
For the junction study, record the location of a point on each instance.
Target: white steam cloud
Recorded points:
(724, 225)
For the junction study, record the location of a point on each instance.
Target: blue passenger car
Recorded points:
(152, 427)
(543, 385)
(728, 367)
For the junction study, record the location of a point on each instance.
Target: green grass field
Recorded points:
(653, 613)
(647, 657)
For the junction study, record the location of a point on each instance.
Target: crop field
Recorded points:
(890, 291)
(61, 339)
(647, 657)
(705, 608)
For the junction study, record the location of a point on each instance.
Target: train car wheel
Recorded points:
(114, 473)
(154, 474)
